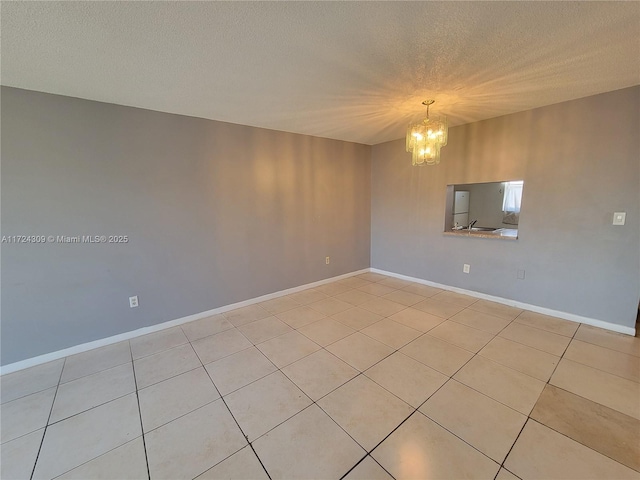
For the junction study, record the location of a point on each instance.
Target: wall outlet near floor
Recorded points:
(466, 268)
(327, 260)
(520, 275)
(133, 301)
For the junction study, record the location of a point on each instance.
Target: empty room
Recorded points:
(320, 240)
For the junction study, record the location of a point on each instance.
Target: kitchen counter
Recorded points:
(501, 233)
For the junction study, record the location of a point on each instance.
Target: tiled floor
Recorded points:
(368, 377)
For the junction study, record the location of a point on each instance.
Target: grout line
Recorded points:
(46, 426)
(144, 443)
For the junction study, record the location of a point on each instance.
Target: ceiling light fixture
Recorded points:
(425, 139)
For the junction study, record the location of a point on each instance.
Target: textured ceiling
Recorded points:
(354, 71)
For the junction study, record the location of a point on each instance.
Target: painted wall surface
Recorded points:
(215, 213)
(580, 162)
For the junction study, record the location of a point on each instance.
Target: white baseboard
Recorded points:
(513, 303)
(48, 357)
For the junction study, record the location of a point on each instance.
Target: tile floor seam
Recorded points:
(599, 369)
(91, 408)
(562, 356)
(602, 346)
(44, 433)
(246, 437)
(144, 443)
(578, 441)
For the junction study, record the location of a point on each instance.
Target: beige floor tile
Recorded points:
(550, 324)
(30, 380)
(514, 389)
(330, 306)
(78, 439)
(391, 333)
(437, 354)
(164, 365)
(333, 288)
(287, 348)
(279, 305)
(192, 444)
(366, 411)
(505, 474)
(404, 298)
(264, 329)
(355, 297)
(18, 456)
(357, 318)
(540, 452)
(372, 277)
(326, 331)
(536, 338)
(93, 390)
(218, 346)
(600, 428)
(455, 298)
(601, 387)
(300, 316)
(242, 465)
(25, 414)
(489, 426)
(248, 314)
(354, 282)
(360, 351)
(535, 363)
(240, 369)
(496, 309)
(407, 378)
(382, 306)
(615, 341)
(438, 307)
(376, 289)
(206, 326)
(423, 290)
(460, 335)
(420, 448)
(319, 373)
(309, 445)
(481, 321)
(264, 404)
(168, 400)
(396, 283)
(368, 469)
(611, 361)
(127, 462)
(157, 342)
(416, 319)
(96, 360)
(305, 297)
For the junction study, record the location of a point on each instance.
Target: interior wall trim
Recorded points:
(513, 303)
(48, 357)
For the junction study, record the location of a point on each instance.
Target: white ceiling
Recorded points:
(355, 71)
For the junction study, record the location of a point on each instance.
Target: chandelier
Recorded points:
(424, 139)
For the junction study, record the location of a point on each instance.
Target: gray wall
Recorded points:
(216, 213)
(580, 162)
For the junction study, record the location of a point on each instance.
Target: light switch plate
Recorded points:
(619, 218)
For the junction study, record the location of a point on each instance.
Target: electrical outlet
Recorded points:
(520, 275)
(619, 218)
(133, 302)
(327, 260)
(466, 268)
